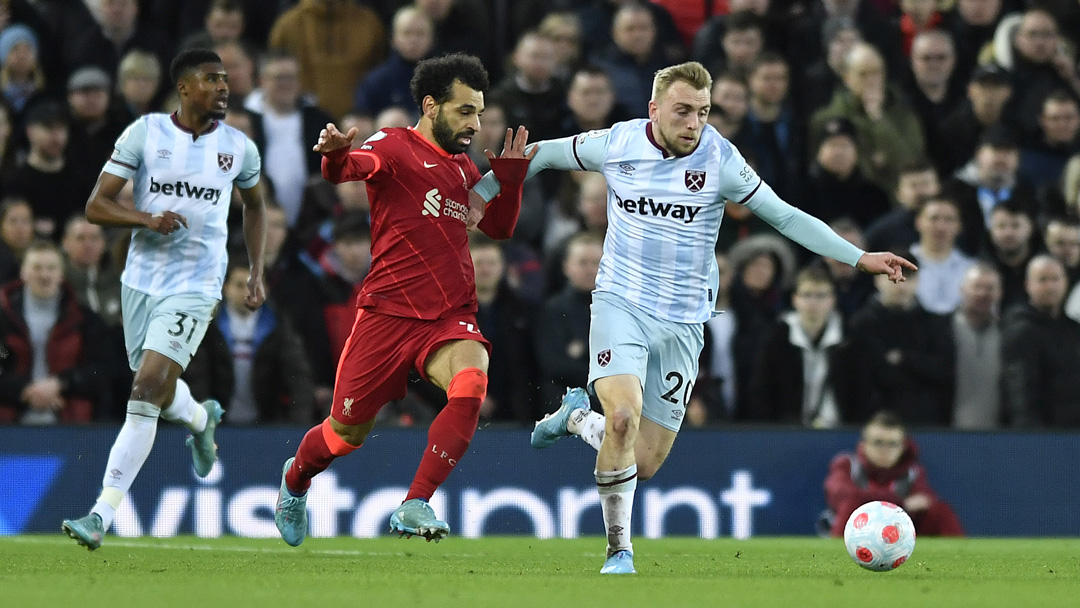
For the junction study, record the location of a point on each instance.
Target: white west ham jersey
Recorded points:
(194, 177)
(664, 214)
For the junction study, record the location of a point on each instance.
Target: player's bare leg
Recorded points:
(616, 466)
(650, 450)
(652, 447)
(460, 368)
(156, 392)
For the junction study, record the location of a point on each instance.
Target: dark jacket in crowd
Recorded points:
(777, 391)
(562, 344)
(826, 196)
(508, 324)
(386, 86)
(72, 353)
(920, 387)
(974, 237)
(280, 377)
(1041, 368)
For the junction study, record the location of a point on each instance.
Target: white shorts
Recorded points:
(623, 339)
(172, 325)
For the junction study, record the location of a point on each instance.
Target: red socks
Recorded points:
(448, 439)
(320, 446)
(450, 432)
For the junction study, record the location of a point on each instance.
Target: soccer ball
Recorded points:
(879, 536)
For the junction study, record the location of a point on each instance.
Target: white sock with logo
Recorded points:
(127, 456)
(185, 410)
(588, 425)
(616, 490)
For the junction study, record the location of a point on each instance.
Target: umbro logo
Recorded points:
(626, 169)
(164, 154)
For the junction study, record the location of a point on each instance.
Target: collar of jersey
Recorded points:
(437, 149)
(665, 153)
(193, 134)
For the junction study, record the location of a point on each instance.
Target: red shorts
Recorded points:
(381, 350)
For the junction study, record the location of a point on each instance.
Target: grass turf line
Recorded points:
(51, 571)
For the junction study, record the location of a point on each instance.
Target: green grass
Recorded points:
(51, 571)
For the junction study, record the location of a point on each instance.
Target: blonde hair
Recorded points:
(691, 72)
(139, 63)
(550, 24)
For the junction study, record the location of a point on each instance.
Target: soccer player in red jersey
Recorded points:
(417, 306)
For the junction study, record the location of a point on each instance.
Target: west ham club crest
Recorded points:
(224, 162)
(603, 357)
(695, 180)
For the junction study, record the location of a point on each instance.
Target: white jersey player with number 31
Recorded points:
(183, 168)
(669, 177)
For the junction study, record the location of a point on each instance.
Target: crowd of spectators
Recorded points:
(946, 130)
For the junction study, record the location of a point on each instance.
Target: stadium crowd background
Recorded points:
(949, 131)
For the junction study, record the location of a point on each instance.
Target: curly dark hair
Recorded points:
(190, 60)
(436, 77)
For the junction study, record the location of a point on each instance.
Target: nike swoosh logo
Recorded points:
(431, 165)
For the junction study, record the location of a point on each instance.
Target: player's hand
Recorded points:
(331, 139)
(166, 222)
(885, 263)
(514, 147)
(256, 294)
(477, 207)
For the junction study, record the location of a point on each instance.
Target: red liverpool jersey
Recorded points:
(420, 261)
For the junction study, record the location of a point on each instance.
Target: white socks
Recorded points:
(127, 456)
(185, 410)
(616, 490)
(588, 425)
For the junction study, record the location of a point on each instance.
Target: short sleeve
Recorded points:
(738, 180)
(127, 152)
(249, 171)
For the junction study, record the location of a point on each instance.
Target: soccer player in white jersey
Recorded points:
(184, 167)
(668, 179)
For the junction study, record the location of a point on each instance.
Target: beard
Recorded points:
(677, 146)
(446, 137)
(217, 114)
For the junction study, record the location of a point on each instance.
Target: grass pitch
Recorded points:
(187, 572)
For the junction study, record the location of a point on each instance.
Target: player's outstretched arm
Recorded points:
(102, 209)
(584, 152)
(255, 239)
(340, 162)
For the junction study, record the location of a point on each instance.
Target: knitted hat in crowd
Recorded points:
(14, 34)
(837, 126)
(991, 74)
(89, 77)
